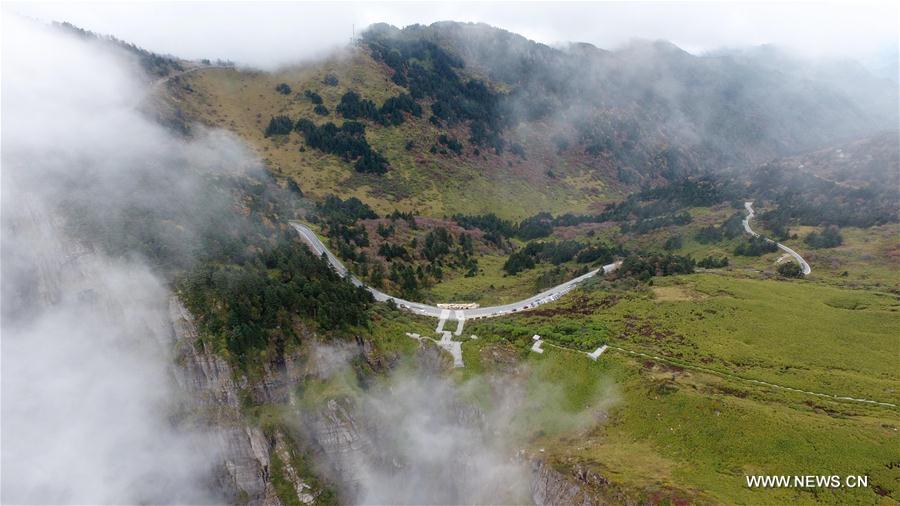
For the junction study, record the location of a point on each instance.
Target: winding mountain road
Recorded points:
(804, 267)
(313, 241)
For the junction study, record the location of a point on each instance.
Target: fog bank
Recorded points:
(273, 33)
(90, 412)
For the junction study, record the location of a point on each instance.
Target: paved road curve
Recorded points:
(750, 214)
(312, 240)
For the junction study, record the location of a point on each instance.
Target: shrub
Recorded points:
(313, 96)
(713, 263)
(451, 143)
(673, 243)
(330, 80)
(353, 106)
(790, 270)
(283, 88)
(645, 266)
(537, 226)
(347, 141)
(755, 246)
(518, 262)
(279, 125)
(829, 238)
(708, 235)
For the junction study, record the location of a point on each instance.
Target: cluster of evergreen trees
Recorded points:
(313, 97)
(556, 253)
(421, 262)
(790, 270)
(427, 70)
(347, 141)
(829, 238)
(353, 106)
(279, 125)
(497, 229)
(225, 246)
(732, 228)
(451, 143)
(815, 201)
(253, 309)
(644, 266)
(645, 225)
(754, 247)
(711, 262)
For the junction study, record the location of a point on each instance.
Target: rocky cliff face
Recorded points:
(580, 487)
(213, 389)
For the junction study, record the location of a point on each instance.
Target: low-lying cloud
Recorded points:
(268, 34)
(90, 411)
(417, 436)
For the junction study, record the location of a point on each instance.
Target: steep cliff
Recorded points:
(582, 487)
(214, 394)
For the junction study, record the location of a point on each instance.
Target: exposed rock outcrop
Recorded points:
(580, 486)
(213, 391)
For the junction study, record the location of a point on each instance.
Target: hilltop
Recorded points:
(466, 118)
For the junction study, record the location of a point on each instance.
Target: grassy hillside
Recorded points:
(688, 435)
(430, 184)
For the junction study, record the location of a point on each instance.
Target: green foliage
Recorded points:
(335, 210)
(385, 230)
(729, 230)
(427, 70)
(552, 252)
(393, 251)
(535, 227)
(708, 234)
(597, 254)
(673, 243)
(451, 143)
(437, 244)
(279, 125)
(817, 201)
(391, 111)
(711, 262)
(353, 106)
(790, 270)
(645, 266)
(406, 278)
(283, 487)
(340, 219)
(253, 303)
(702, 191)
(313, 97)
(330, 80)
(348, 141)
(518, 261)
(755, 246)
(829, 238)
(642, 226)
(495, 229)
(283, 88)
(321, 110)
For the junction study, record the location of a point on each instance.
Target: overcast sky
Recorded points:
(269, 34)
